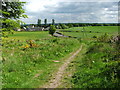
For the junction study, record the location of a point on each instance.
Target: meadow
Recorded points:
(30, 59)
(98, 66)
(29, 35)
(91, 31)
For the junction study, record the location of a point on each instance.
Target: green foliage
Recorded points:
(52, 29)
(104, 38)
(70, 25)
(5, 34)
(94, 36)
(79, 39)
(39, 22)
(45, 21)
(53, 22)
(63, 26)
(58, 26)
(11, 11)
(10, 24)
(99, 68)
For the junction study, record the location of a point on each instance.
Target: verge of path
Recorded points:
(56, 81)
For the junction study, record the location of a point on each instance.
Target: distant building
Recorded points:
(35, 28)
(18, 29)
(47, 29)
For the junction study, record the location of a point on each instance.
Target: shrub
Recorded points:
(52, 29)
(104, 38)
(94, 36)
(70, 25)
(58, 26)
(5, 34)
(90, 31)
(11, 32)
(31, 43)
(63, 26)
(79, 39)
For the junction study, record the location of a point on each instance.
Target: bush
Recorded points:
(52, 30)
(63, 26)
(58, 26)
(11, 32)
(79, 39)
(5, 34)
(70, 25)
(90, 31)
(94, 36)
(104, 38)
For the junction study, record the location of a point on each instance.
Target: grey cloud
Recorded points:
(77, 12)
(80, 7)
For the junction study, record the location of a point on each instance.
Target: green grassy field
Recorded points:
(91, 31)
(107, 29)
(30, 35)
(99, 65)
(30, 63)
(29, 58)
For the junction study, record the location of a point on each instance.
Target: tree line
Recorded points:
(69, 25)
(45, 22)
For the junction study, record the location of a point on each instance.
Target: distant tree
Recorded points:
(99, 24)
(80, 25)
(39, 22)
(58, 26)
(53, 22)
(45, 21)
(63, 26)
(94, 24)
(76, 25)
(70, 25)
(52, 29)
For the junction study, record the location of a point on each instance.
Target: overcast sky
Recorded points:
(65, 11)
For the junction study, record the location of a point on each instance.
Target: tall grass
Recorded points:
(30, 63)
(100, 66)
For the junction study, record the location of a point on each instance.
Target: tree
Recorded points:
(63, 26)
(11, 12)
(58, 26)
(39, 22)
(45, 21)
(52, 29)
(53, 22)
(70, 25)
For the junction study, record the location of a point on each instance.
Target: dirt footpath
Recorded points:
(56, 81)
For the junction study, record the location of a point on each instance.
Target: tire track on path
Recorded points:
(56, 81)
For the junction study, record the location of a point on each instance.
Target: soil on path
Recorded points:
(56, 81)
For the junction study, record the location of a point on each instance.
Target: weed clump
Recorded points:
(94, 36)
(104, 38)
